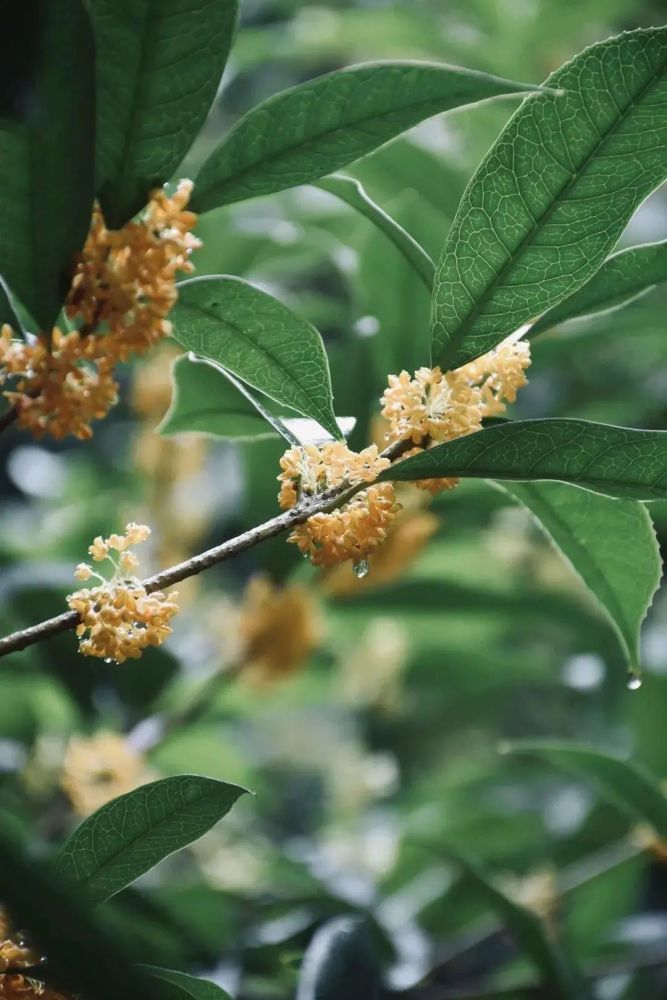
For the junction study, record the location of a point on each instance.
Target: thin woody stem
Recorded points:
(8, 418)
(322, 503)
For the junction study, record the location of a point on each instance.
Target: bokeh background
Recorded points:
(366, 715)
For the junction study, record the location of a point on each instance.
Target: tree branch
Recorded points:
(323, 502)
(8, 418)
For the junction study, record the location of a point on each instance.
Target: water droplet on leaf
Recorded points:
(634, 681)
(360, 569)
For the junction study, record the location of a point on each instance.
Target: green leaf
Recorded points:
(132, 833)
(622, 278)
(610, 544)
(7, 311)
(553, 195)
(182, 987)
(55, 916)
(351, 191)
(317, 127)
(158, 69)
(624, 782)
(47, 162)
(258, 339)
(614, 461)
(530, 933)
(205, 401)
(339, 962)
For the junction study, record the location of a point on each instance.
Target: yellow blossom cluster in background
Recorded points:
(123, 288)
(353, 530)
(279, 627)
(120, 618)
(99, 768)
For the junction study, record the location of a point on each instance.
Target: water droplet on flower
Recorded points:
(360, 569)
(109, 659)
(634, 681)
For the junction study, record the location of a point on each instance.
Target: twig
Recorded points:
(8, 418)
(321, 503)
(191, 567)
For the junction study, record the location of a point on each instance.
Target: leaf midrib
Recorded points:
(118, 184)
(464, 329)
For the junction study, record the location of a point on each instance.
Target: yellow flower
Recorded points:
(60, 388)
(434, 406)
(126, 279)
(431, 405)
(279, 629)
(499, 374)
(99, 768)
(406, 538)
(118, 618)
(17, 987)
(15, 953)
(123, 288)
(356, 528)
(352, 531)
(99, 550)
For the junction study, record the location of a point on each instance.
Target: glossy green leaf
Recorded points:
(339, 962)
(610, 544)
(259, 340)
(47, 162)
(351, 191)
(205, 401)
(553, 195)
(317, 127)
(7, 311)
(625, 782)
(622, 278)
(55, 915)
(132, 833)
(614, 461)
(179, 986)
(158, 69)
(530, 934)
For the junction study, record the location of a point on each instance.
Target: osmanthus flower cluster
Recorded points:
(357, 527)
(279, 627)
(429, 408)
(122, 291)
(435, 406)
(119, 619)
(16, 954)
(99, 768)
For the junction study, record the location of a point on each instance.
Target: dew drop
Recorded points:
(634, 681)
(360, 569)
(109, 659)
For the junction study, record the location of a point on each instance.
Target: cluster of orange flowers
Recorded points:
(16, 953)
(17, 987)
(421, 411)
(99, 768)
(279, 628)
(122, 291)
(353, 530)
(120, 617)
(434, 406)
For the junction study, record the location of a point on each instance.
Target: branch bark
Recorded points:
(326, 501)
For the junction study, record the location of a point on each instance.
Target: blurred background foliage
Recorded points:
(366, 715)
